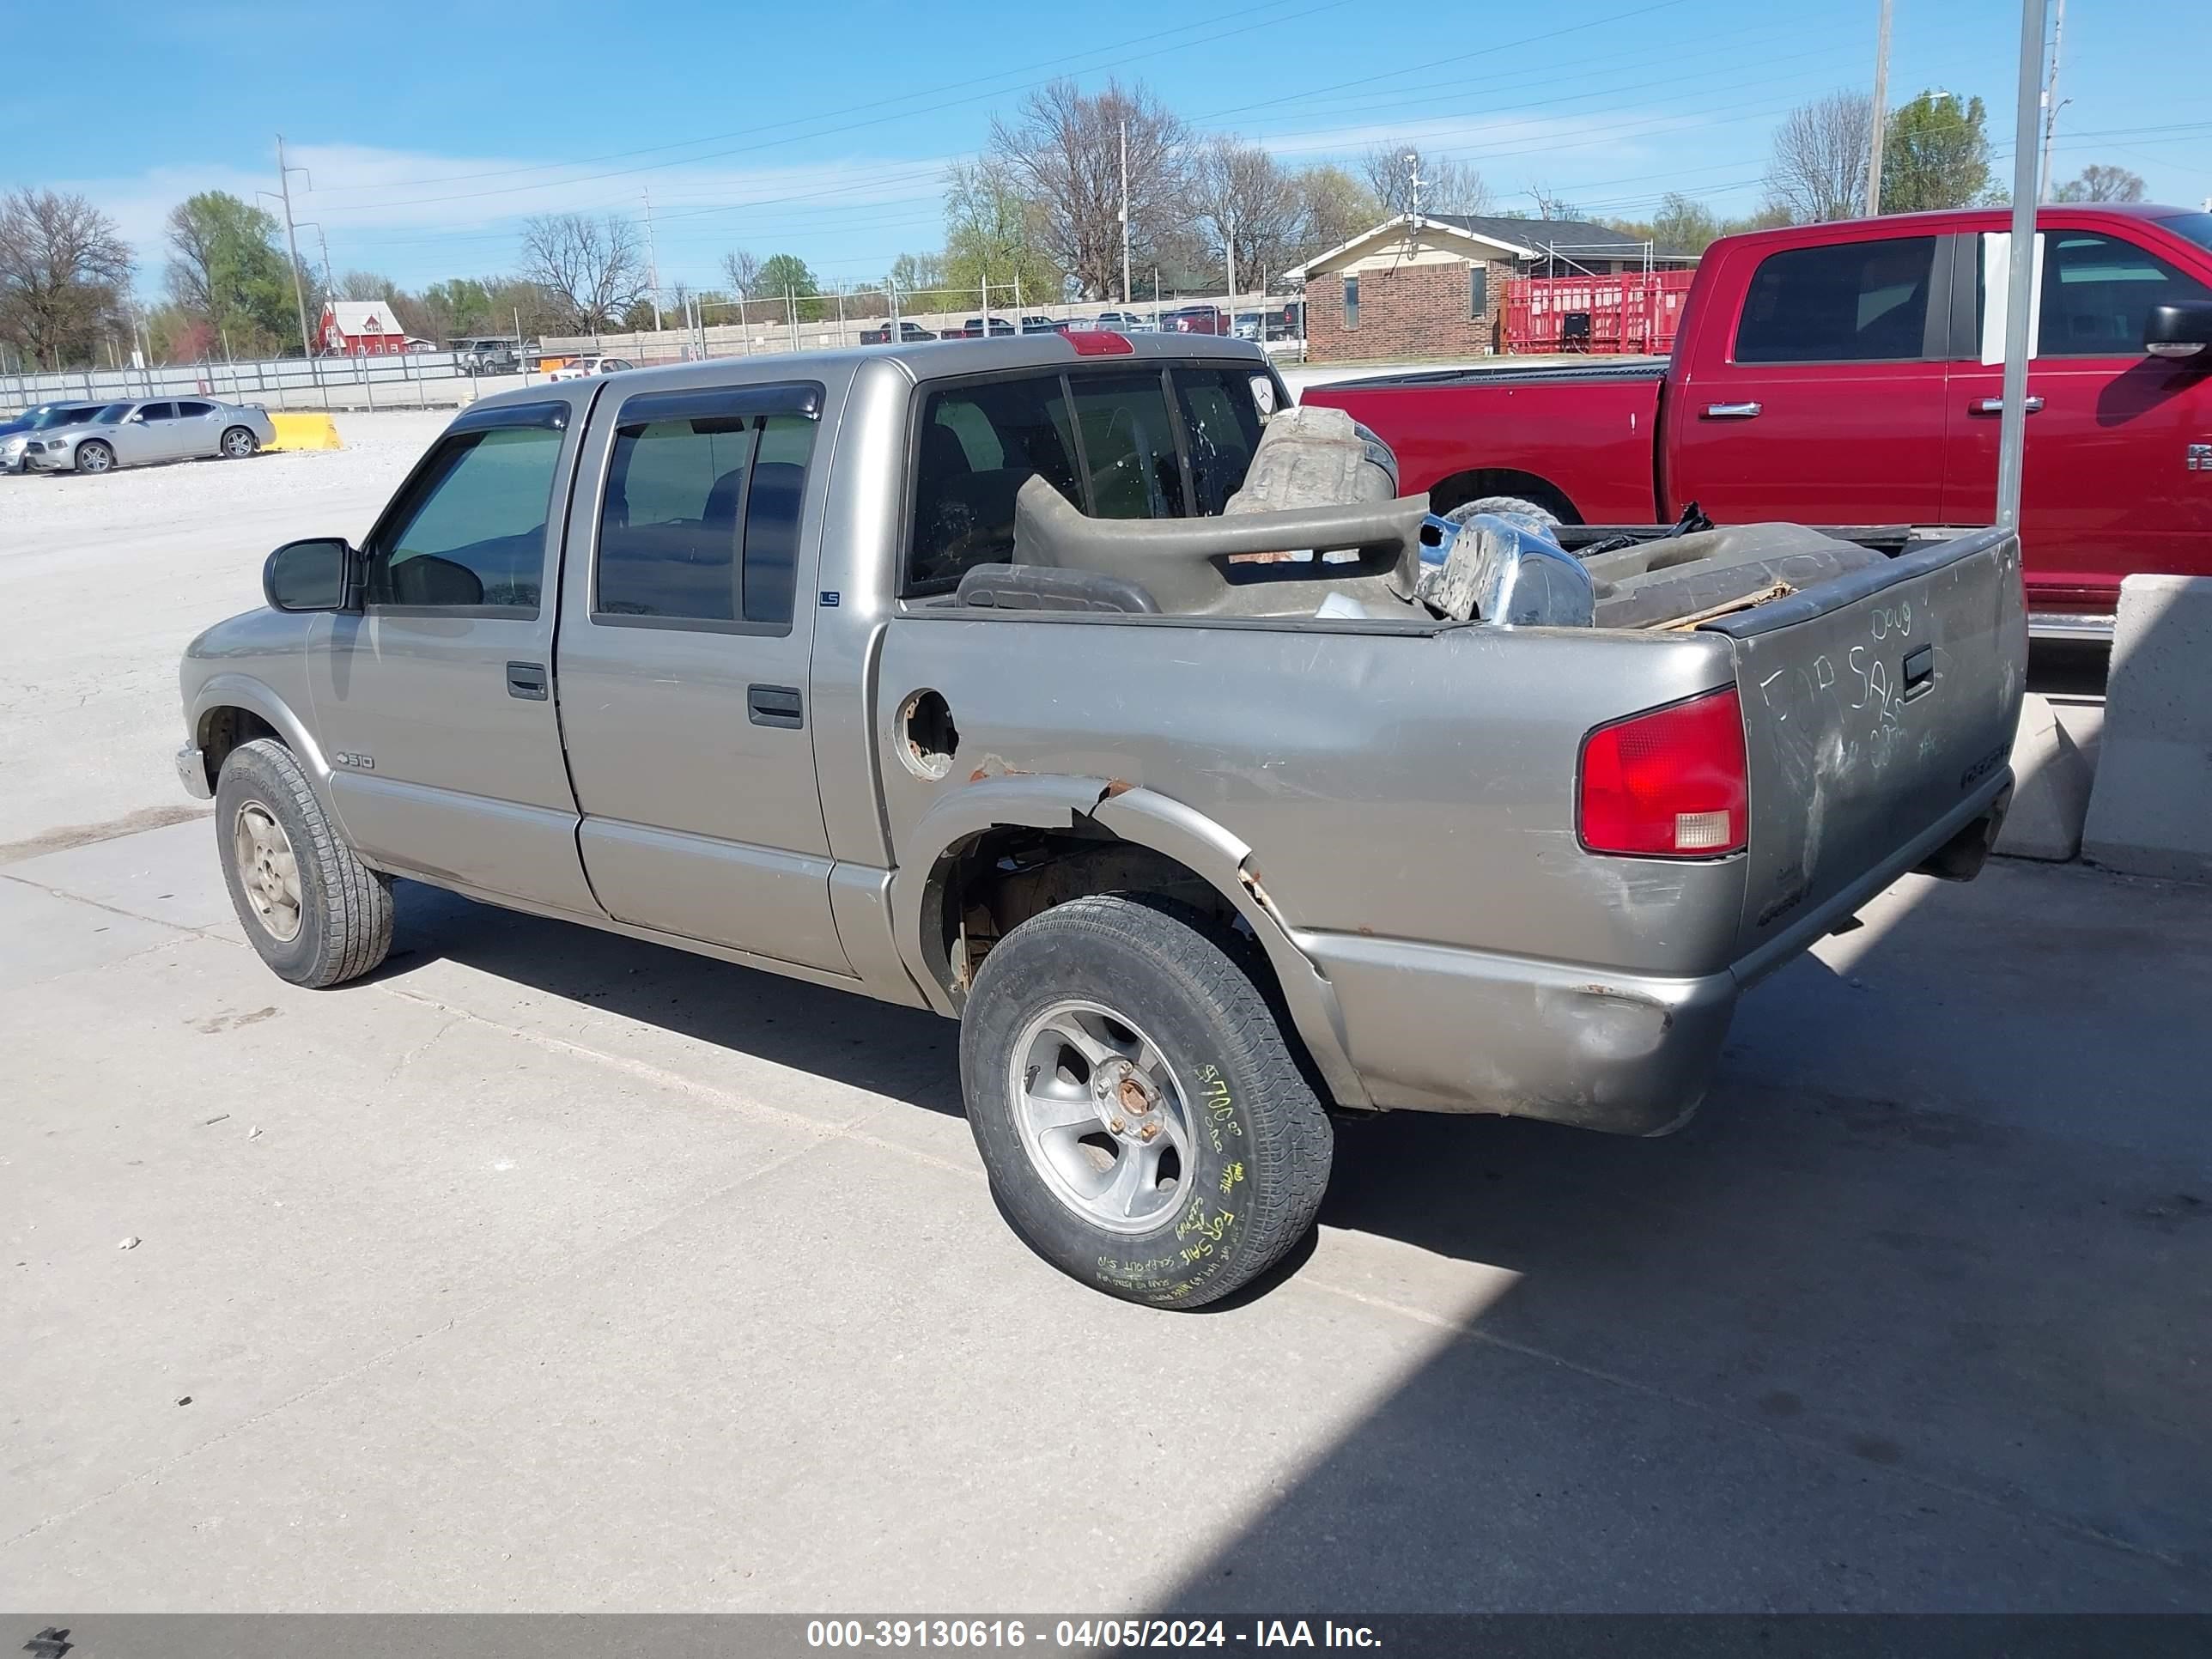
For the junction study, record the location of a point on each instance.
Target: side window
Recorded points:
(1849, 303)
(194, 411)
(2098, 292)
(1223, 426)
(471, 531)
(1352, 302)
(1129, 445)
(1478, 290)
(158, 411)
(700, 522)
(980, 444)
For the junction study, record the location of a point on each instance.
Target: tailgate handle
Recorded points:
(774, 705)
(1920, 672)
(1995, 405)
(1732, 411)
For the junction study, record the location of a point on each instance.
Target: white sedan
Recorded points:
(582, 368)
(140, 431)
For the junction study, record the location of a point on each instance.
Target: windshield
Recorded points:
(112, 416)
(2196, 227)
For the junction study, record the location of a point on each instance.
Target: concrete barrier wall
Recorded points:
(2150, 811)
(303, 431)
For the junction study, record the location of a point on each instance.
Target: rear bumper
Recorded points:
(1433, 1027)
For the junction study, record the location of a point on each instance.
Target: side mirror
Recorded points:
(136, 418)
(316, 574)
(2182, 331)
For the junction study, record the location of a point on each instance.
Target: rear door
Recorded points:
(688, 620)
(1825, 404)
(199, 428)
(2107, 488)
(435, 702)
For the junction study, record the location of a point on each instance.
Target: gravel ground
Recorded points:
(107, 579)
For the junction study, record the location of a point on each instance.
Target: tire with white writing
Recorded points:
(312, 910)
(1145, 1125)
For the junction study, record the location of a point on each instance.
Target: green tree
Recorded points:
(225, 269)
(787, 272)
(1936, 155)
(915, 278)
(993, 235)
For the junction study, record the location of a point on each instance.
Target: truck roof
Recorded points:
(1940, 219)
(923, 360)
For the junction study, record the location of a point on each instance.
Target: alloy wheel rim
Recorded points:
(268, 871)
(95, 460)
(238, 444)
(1104, 1120)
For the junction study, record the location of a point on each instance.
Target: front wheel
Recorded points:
(239, 442)
(313, 911)
(1144, 1123)
(93, 456)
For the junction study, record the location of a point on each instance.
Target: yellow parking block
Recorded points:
(304, 431)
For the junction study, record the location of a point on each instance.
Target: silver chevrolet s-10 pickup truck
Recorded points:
(932, 672)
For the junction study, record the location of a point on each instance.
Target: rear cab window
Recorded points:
(1842, 302)
(1118, 442)
(699, 521)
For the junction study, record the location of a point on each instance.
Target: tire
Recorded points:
(93, 456)
(238, 442)
(1222, 1096)
(1467, 510)
(336, 925)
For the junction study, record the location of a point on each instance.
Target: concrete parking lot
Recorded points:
(547, 1270)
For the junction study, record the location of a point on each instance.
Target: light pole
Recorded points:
(292, 241)
(2012, 438)
(1880, 121)
(1127, 297)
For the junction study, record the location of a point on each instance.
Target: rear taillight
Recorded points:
(1668, 784)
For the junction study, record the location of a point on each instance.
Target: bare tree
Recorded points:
(592, 266)
(1447, 185)
(1333, 207)
(1819, 167)
(64, 268)
(1242, 202)
(2101, 183)
(1550, 204)
(741, 270)
(364, 285)
(1063, 152)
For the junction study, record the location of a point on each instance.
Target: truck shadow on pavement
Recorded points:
(1915, 1313)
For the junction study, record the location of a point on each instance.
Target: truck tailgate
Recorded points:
(1878, 710)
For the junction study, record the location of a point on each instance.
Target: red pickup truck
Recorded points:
(1848, 374)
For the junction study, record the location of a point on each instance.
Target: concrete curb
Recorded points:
(2051, 779)
(2150, 813)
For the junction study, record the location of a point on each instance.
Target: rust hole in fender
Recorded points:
(927, 738)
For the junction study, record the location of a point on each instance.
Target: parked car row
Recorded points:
(95, 437)
(1281, 323)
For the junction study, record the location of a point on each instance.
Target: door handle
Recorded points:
(774, 705)
(1732, 411)
(1995, 405)
(526, 680)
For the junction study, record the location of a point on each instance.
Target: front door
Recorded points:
(688, 615)
(2108, 486)
(435, 702)
(1828, 406)
(148, 433)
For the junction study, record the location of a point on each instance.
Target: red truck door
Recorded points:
(1812, 388)
(2108, 488)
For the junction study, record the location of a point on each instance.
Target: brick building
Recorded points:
(1433, 285)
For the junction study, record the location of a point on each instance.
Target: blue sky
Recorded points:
(825, 131)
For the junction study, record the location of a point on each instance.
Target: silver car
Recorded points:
(140, 431)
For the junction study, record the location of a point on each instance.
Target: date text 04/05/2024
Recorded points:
(1084, 1634)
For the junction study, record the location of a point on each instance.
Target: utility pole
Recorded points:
(651, 261)
(1879, 123)
(2052, 103)
(1231, 251)
(1127, 296)
(292, 241)
(2019, 274)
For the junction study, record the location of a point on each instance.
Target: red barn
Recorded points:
(360, 328)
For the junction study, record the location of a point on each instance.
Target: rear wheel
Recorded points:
(239, 442)
(1144, 1123)
(1520, 504)
(313, 911)
(93, 456)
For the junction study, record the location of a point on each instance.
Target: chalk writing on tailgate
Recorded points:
(1879, 712)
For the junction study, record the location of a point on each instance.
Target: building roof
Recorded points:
(356, 318)
(1516, 238)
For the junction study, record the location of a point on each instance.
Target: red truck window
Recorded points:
(1846, 303)
(2096, 294)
